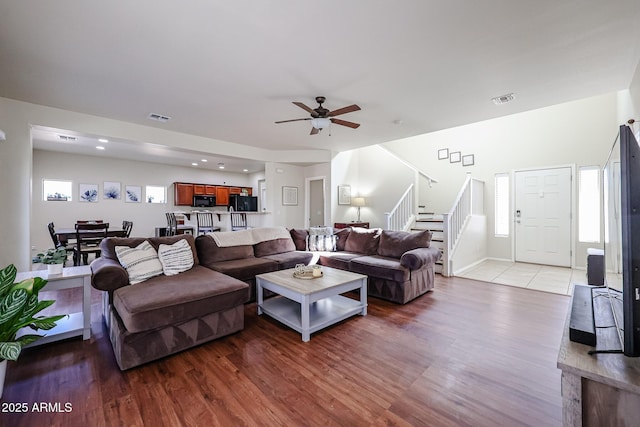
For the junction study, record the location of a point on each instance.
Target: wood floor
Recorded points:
(467, 354)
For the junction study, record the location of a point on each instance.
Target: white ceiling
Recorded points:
(228, 70)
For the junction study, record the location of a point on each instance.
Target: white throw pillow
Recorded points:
(175, 258)
(141, 262)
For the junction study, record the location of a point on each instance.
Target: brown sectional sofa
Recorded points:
(167, 314)
(399, 265)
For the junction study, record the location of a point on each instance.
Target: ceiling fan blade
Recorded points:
(304, 107)
(344, 110)
(345, 123)
(314, 131)
(293, 120)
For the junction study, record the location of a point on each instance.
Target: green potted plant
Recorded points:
(54, 258)
(18, 306)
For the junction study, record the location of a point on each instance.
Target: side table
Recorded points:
(77, 323)
(350, 224)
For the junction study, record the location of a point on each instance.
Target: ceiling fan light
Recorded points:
(320, 122)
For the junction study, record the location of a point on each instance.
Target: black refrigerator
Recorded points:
(243, 203)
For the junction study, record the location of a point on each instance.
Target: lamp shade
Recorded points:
(320, 123)
(358, 201)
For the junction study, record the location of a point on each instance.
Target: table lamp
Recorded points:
(358, 202)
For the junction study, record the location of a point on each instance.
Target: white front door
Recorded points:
(543, 216)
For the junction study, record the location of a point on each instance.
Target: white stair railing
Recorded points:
(470, 201)
(403, 213)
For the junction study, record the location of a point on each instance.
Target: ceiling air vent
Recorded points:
(503, 99)
(159, 117)
(67, 138)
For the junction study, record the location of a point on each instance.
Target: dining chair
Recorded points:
(126, 227)
(88, 238)
(89, 221)
(205, 222)
(238, 221)
(56, 242)
(172, 224)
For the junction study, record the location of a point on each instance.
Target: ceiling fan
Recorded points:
(321, 117)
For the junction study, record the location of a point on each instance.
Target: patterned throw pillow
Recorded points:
(321, 243)
(175, 258)
(141, 262)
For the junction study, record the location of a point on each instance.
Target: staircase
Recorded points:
(435, 224)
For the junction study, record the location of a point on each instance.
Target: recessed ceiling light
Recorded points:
(503, 99)
(221, 165)
(203, 160)
(99, 147)
(245, 170)
(194, 164)
(103, 140)
(159, 117)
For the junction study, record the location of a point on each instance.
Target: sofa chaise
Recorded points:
(167, 312)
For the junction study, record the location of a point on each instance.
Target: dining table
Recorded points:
(64, 234)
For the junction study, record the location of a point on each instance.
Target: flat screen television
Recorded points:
(621, 194)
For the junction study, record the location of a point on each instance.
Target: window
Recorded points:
(589, 204)
(156, 194)
(56, 190)
(501, 205)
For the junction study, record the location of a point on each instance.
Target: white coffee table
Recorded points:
(309, 305)
(77, 323)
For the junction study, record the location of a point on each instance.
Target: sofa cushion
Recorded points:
(166, 301)
(341, 238)
(275, 246)
(380, 267)
(394, 243)
(338, 260)
(141, 262)
(363, 240)
(245, 269)
(290, 259)
(299, 238)
(209, 252)
(175, 258)
(107, 246)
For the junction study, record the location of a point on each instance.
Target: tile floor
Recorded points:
(546, 278)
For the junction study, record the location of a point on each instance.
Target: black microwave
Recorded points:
(204, 201)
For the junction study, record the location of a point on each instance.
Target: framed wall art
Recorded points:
(467, 160)
(133, 193)
(443, 154)
(88, 192)
(111, 190)
(289, 196)
(344, 194)
(454, 157)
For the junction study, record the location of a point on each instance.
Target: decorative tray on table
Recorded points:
(305, 274)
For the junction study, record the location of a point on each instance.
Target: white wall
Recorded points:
(95, 170)
(579, 132)
(280, 175)
(373, 174)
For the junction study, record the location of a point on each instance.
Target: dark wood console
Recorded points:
(350, 224)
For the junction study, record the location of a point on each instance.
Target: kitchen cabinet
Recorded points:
(222, 196)
(210, 190)
(235, 190)
(183, 194)
(198, 189)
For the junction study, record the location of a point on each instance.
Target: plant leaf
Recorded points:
(29, 309)
(26, 284)
(45, 323)
(7, 276)
(38, 284)
(11, 305)
(28, 339)
(10, 350)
